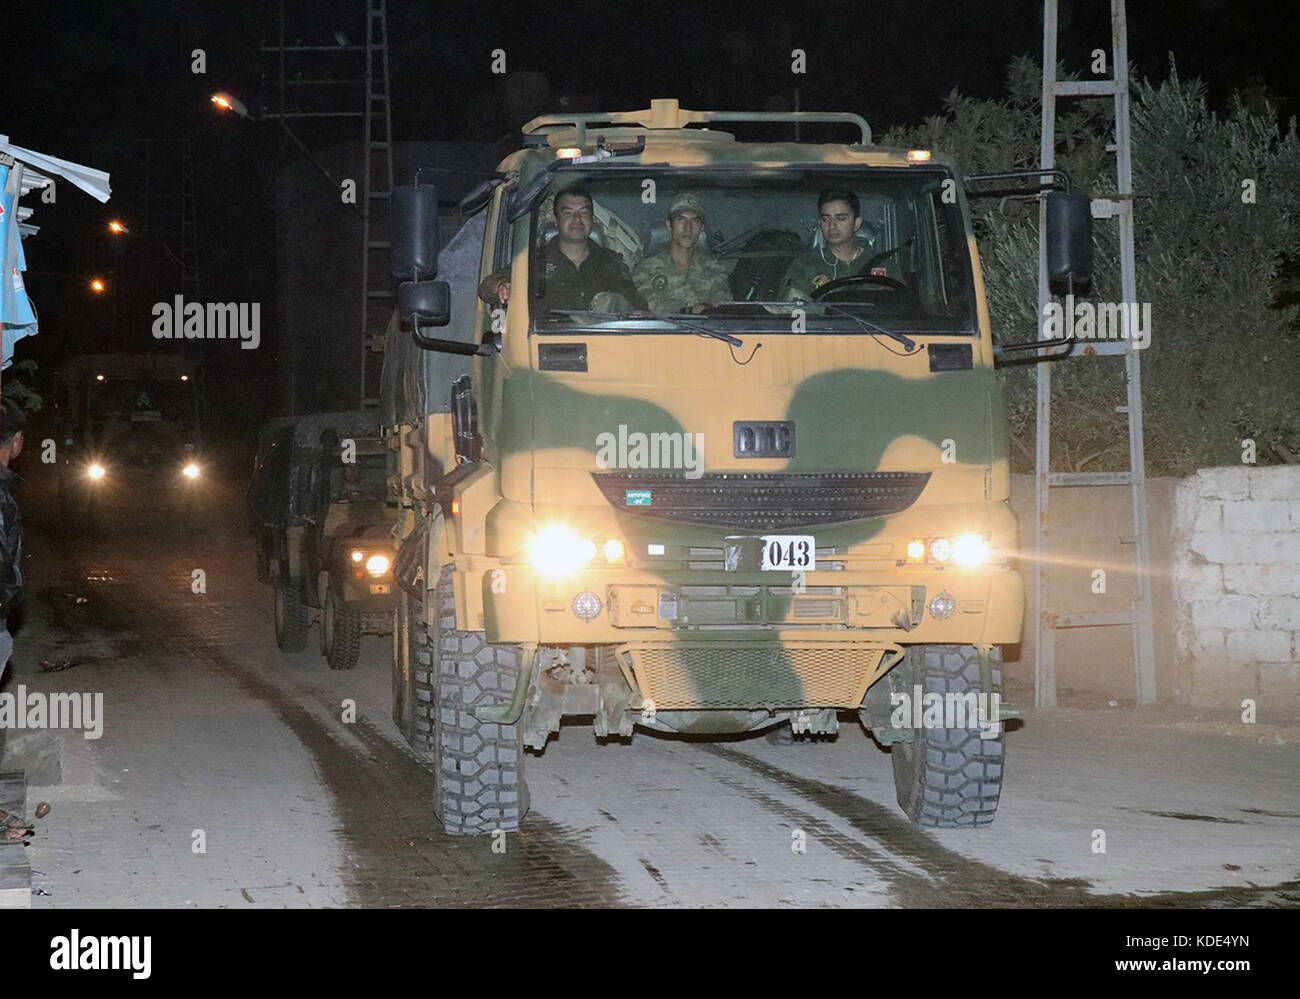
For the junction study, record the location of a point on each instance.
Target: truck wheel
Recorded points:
(947, 778)
(479, 766)
(340, 634)
(291, 620)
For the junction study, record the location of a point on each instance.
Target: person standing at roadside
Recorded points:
(12, 420)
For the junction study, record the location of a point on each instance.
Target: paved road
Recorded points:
(209, 728)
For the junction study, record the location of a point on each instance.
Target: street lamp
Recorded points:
(228, 102)
(117, 227)
(97, 285)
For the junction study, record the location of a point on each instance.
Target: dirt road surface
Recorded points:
(226, 776)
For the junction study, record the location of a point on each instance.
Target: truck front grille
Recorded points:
(762, 501)
(738, 675)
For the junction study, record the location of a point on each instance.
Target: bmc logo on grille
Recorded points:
(763, 439)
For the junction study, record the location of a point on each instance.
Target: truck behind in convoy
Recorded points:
(317, 509)
(130, 434)
(777, 511)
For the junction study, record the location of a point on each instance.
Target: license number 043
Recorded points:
(789, 551)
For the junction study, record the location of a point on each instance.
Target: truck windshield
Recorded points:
(732, 247)
(143, 399)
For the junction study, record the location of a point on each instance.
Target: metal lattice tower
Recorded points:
(376, 244)
(332, 84)
(1118, 206)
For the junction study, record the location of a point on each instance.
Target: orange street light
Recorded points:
(117, 226)
(228, 102)
(97, 286)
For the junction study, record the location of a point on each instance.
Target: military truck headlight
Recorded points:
(190, 471)
(970, 550)
(95, 471)
(942, 605)
(558, 551)
(358, 556)
(916, 550)
(614, 551)
(377, 565)
(940, 549)
(587, 605)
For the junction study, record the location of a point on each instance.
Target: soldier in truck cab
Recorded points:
(579, 273)
(845, 251)
(679, 278)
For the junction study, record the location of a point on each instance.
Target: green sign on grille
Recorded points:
(637, 497)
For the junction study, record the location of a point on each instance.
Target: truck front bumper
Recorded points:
(612, 605)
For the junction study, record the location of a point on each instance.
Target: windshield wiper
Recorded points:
(907, 342)
(681, 322)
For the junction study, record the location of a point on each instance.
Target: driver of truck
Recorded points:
(844, 253)
(579, 273)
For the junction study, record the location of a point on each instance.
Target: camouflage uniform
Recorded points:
(667, 289)
(811, 270)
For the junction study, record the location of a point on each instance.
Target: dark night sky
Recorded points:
(87, 81)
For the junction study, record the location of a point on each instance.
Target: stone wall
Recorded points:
(1237, 578)
(1225, 559)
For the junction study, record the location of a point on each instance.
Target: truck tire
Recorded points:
(340, 632)
(479, 766)
(291, 616)
(947, 778)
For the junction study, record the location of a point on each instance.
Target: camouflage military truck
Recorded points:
(128, 424)
(771, 513)
(317, 508)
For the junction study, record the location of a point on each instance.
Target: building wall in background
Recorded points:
(1225, 554)
(1237, 536)
(318, 251)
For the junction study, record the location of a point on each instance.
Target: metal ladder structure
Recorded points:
(376, 240)
(320, 81)
(1119, 206)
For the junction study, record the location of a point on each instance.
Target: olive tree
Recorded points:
(1217, 214)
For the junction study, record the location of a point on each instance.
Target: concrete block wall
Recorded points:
(1236, 545)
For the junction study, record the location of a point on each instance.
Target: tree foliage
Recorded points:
(1223, 365)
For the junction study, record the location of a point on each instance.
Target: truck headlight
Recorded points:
(95, 471)
(970, 550)
(374, 563)
(558, 551)
(190, 471)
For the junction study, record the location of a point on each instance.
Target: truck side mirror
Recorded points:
(416, 235)
(1069, 243)
(424, 301)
